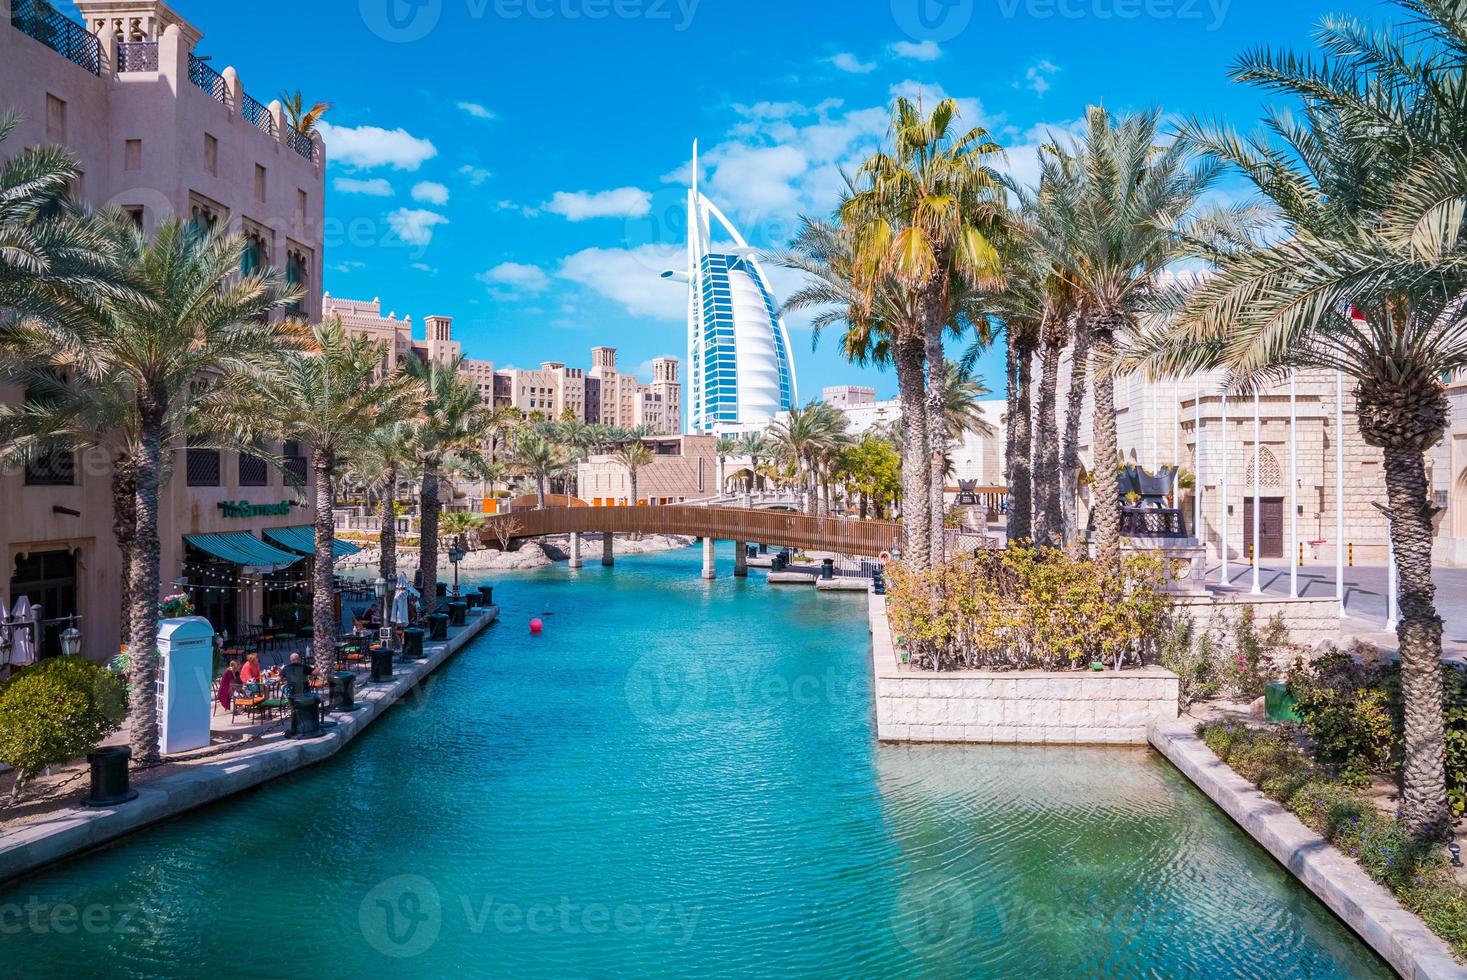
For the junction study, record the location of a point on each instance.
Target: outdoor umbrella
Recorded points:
(399, 613)
(22, 646)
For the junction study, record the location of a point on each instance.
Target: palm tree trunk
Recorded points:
(1070, 454)
(916, 512)
(125, 525)
(1105, 485)
(142, 636)
(540, 489)
(936, 437)
(323, 609)
(1020, 437)
(1048, 520)
(1424, 787)
(387, 536)
(428, 537)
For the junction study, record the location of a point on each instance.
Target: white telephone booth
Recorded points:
(185, 681)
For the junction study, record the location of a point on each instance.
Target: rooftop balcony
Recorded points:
(121, 46)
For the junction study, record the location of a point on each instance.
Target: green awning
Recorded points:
(303, 541)
(243, 548)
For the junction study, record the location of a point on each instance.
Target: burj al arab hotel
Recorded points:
(739, 367)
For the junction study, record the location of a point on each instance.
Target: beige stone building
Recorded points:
(158, 131)
(683, 467)
(364, 318)
(1159, 424)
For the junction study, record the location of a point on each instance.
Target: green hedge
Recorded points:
(54, 712)
(1419, 875)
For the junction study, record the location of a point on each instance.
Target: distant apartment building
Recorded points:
(364, 318)
(843, 396)
(158, 131)
(683, 467)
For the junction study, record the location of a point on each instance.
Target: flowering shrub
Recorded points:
(1028, 608)
(1224, 656)
(174, 606)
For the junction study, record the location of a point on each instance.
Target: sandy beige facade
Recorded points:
(158, 132)
(683, 467)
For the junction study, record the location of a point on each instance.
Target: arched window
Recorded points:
(254, 257)
(1269, 464)
(296, 275)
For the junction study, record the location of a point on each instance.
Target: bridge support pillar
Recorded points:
(575, 546)
(741, 559)
(608, 553)
(709, 571)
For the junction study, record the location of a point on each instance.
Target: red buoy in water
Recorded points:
(536, 625)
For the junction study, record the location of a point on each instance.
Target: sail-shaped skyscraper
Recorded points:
(739, 368)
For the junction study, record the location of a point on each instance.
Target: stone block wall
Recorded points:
(1035, 706)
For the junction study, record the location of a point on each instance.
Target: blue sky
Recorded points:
(520, 165)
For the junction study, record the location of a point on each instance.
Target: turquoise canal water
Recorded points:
(679, 778)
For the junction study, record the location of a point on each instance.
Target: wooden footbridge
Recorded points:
(844, 536)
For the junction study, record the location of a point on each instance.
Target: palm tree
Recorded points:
(1123, 203)
(539, 456)
(756, 447)
(1367, 279)
(325, 394)
(380, 462)
(188, 315)
(633, 455)
(302, 118)
(805, 433)
(459, 525)
(453, 421)
(926, 215)
(882, 325)
(723, 448)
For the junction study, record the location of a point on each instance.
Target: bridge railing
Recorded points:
(842, 535)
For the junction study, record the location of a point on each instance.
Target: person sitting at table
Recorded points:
(227, 683)
(250, 672)
(295, 676)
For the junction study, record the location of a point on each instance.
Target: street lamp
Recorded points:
(70, 641)
(455, 555)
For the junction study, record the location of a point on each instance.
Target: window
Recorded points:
(255, 254)
(302, 201)
(203, 467)
(295, 463)
(132, 155)
(297, 274)
(55, 119)
(252, 471)
(211, 155)
(135, 212)
(261, 185)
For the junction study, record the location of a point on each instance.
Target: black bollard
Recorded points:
(456, 612)
(305, 716)
(487, 594)
(412, 643)
(438, 626)
(381, 665)
(109, 776)
(344, 691)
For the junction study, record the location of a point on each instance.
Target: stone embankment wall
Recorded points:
(1068, 708)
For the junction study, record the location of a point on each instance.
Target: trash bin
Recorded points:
(438, 626)
(827, 568)
(442, 590)
(109, 776)
(412, 643)
(1278, 704)
(343, 691)
(456, 611)
(305, 716)
(487, 594)
(381, 665)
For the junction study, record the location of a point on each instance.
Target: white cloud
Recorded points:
(476, 110)
(475, 175)
(1022, 148)
(917, 50)
(414, 225)
(525, 278)
(376, 187)
(623, 202)
(630, 277)
(1036, 79)
(365, 147)
(970, 111)
(846, 61)
(523, 210)
(349, 266)
(430, 192)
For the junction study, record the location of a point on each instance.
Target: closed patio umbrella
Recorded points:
(22, 644)
(399, 612)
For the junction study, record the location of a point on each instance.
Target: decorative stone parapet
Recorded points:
(1059, 707)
